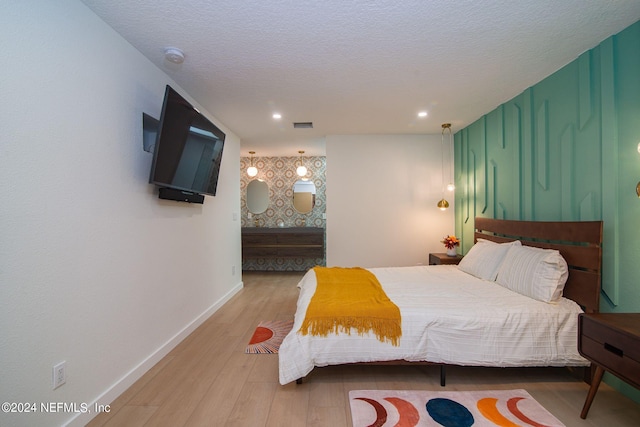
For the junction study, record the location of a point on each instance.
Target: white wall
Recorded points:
(95, 270)
(382, 192)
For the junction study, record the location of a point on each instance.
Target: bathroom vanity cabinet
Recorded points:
(294, 242)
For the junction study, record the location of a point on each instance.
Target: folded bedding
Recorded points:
(351, 299)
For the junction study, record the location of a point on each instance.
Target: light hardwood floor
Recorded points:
(208, 380)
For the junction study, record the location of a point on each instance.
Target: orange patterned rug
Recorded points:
(268, 336)
(409, 408)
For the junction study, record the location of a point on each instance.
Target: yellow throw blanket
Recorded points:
(351, 298)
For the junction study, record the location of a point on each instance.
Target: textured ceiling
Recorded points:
(359, 67)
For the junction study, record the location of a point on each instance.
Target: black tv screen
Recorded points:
(188, 149)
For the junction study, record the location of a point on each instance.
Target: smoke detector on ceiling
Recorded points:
(173, 54)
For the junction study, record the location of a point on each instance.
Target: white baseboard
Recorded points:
(132, 376)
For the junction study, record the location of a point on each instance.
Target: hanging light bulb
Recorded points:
(301, 170)
(450, 186)
(252, 170)
(443, 205)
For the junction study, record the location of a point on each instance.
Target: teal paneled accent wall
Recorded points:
(565, 149)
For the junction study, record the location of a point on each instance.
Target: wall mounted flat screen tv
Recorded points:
(188, 149)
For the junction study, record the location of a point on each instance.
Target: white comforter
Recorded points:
(448, 316)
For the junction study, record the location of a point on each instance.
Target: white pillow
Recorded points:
(484, 258)
(534, 272)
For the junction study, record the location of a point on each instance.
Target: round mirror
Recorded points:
(257, 196)
(304, 196)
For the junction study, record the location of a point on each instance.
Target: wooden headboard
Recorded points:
(579, 242)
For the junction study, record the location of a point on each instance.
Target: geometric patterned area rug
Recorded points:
(268, 336)
(404, 408)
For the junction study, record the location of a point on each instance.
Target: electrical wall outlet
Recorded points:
(59, 374)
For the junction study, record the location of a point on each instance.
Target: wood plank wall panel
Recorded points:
(514, 144)
(554, 153)
(480, 163)
(567, 156)
(527, 163)
(542, 146)
(585, 99)
(465, 191)
(610, 161)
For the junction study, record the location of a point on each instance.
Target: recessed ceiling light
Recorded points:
(422, 114)
(277, 116)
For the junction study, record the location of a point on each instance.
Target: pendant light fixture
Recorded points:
(301, 170)
(447, 126)
(443, 204)
(252, 170)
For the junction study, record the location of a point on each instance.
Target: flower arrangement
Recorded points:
(450, 242)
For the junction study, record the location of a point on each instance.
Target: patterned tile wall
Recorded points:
(280, 174)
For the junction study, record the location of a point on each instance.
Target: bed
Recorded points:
(480, 313)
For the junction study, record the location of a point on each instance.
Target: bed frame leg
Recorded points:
(442, 375)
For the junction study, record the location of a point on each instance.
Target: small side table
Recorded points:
(443, 258)
(612, 342)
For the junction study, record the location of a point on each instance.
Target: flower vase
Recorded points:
(452, 252)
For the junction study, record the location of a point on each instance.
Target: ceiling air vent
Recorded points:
(303, 125)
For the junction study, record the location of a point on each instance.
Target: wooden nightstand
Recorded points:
(612, 342)
(443, 258)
